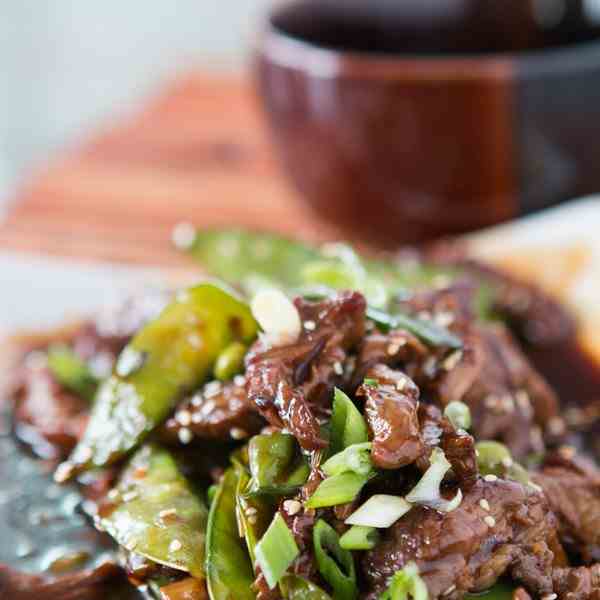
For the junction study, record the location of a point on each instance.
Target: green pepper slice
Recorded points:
(169, 356)
(156, 513)
(229, 571)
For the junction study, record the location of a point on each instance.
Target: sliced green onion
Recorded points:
(336, 565)
(359, 537)
(426, 331)
(231, 361)
(210, 492)
(348, 426)
(276, 551)
(406, 583)
(338, 489)
(427, 490)
(459, 414)
(492, 457)
(380, 510)
(71, 371)
(355, 458)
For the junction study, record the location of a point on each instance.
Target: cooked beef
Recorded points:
(391, 405)
(291, 385)
(46, 412)
(95, 584)
(577, 583)
(459, 448)
(217, 411)
(466, 550)
(573, 491)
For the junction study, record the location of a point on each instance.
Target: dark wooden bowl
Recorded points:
(402, 121)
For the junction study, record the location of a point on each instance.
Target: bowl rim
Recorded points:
(286, 50)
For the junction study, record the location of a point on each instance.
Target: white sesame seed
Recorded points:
(338, 369)
(489, 521)
(292, 507)
(250, 510)
(175, 545)
(556, 425)
(237, 433)
(449, 590)
(401, 384)
(393, 349)
(185, 435)
(129, 496)
(444, 319)
(239, 380)
(550, 597)
(484, 504)
(310, 325)
(429, 366)
(183, 235)
(208, 407)
(84, 454)
(113, 494)
(507, 461)
(197, 400)
(197, 417)
(63, 472)
(184, 417)
(167, 512)
(212, 388)
(490, 478)
(252, 519)
(451, 361)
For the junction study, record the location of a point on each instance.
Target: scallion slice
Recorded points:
(71, 371)
(338, 489)
(336, 565)
(348, 426)
(355, 458)
(359, 537)
(276, 551)
(406, 583)
(458, 414)
(380, 510)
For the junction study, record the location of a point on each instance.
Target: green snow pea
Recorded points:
(293, 587)
(229, 572)
(276, 465)
(156, 513)
(169, 356)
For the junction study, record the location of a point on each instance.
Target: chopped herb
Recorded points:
(359, 537)
(338, 489)
(348, 426)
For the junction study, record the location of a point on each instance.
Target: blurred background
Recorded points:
(69, 67)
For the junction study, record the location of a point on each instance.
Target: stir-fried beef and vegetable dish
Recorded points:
(321, 426)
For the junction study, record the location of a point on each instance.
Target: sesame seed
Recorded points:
(401, 384)
(449, 590)
(507, 461)
(197, 400)
(484, 504)
(252, 519)
(183, 235)
(175, 545)
(489, 521)
(239, 380)
(208, 407)
(184, 417)
(429, 366)
(113, 494)
(338, 369)
(310, 325)
(490, 478)
(84, 454)
(550, 597)
(250, 510)
(444, 319)
(237, 433)
(167, 512)
(292, 507)
(556, 425)
(451, 361)
(393, 349)
(129, 496)
(63, 472)
(185, 435)
(212, 389)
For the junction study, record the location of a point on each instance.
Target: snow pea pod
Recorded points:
(294, 587)
(71, 371)
(170, 355)
(229, 571)
(155, 513)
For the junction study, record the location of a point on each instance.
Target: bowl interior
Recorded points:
(431, 27)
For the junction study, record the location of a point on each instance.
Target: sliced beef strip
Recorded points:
(291, 386)
(94, 584)
(577, 583)
(217, 411)
(497, 524)
(572, 487)
(391, 407)
(45, 412)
